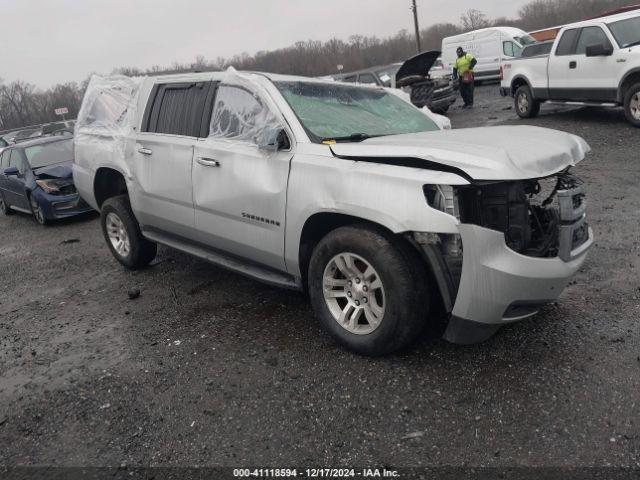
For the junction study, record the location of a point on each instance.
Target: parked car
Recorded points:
(37, 179)
(436, 92)
(382, 76)
(345, 191)
(592, 63)
(490, 46)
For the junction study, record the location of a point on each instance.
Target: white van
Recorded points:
(490, 46)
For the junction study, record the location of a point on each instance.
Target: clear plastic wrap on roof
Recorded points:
(108, 111)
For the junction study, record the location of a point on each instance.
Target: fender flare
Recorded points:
(633, 71)
(525, 79)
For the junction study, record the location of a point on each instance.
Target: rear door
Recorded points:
(240, 189)
(163, 153)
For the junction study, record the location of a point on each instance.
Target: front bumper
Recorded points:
(61, 206)
(500, 286)
(443, 103)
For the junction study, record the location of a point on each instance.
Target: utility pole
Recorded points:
(414, 7)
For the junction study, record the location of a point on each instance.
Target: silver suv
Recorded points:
(348, 192)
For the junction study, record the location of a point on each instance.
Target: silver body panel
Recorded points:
(238, 205)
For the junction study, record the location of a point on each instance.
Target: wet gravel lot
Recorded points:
(209, 368)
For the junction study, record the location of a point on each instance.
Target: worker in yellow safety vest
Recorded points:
(463, 69)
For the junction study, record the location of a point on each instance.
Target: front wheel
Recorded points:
(368, 289)
(632, 105)
(123, 236)
(36, 210)
(526, 105)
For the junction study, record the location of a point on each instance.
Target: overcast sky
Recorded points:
(45, 42)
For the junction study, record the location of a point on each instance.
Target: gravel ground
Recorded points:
(209, 368)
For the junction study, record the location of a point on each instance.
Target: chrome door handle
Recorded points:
(208, 162)
(145, 151)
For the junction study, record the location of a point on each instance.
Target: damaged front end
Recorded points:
(520, 243)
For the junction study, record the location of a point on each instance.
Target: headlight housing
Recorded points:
(56, 186)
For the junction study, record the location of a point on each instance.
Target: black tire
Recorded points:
(526, 106)
(404, 279)
(4, 206)
(36, 211)
(140, 251)
(632, 105)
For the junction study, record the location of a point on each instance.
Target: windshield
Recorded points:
(525, 40)
(329, 111)
(626, 32)
(49, 153)
(385, 75)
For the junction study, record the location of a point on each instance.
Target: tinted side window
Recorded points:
(368, 79)
(567, 42)
(350, 79)
(177, 109)
(591, 36)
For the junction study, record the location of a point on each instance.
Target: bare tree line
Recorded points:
(22, 104)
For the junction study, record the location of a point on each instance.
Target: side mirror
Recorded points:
(273, 140)
(11, 171)
(599, 50)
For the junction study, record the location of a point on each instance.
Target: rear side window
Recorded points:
(177, 109)
(591, 36)
(566, 46)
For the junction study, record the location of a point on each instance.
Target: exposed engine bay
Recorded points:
(540, 218)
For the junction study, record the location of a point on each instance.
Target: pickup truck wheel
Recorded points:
(632, 105)
(526, 105)
(368, 289)
(123, 236)
(4, 206)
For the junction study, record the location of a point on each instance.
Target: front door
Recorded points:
(15, 192)
(239, 188)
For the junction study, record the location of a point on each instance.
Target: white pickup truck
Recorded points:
(593, 63)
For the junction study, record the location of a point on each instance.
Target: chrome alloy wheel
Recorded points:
(118, 235)
(523, 102)
(354, 293)
(634, 106)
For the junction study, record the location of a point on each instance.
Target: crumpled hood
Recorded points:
(59, 170)
(487, 153)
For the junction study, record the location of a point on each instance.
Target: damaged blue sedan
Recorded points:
(36, 178)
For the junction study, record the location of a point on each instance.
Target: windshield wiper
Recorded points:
(633, 44)
(354, 137)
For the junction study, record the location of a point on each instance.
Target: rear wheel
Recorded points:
(4, 206)
(526, 105)
(368, 289)
(36, 210)
(632, 105)
(123, 236)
